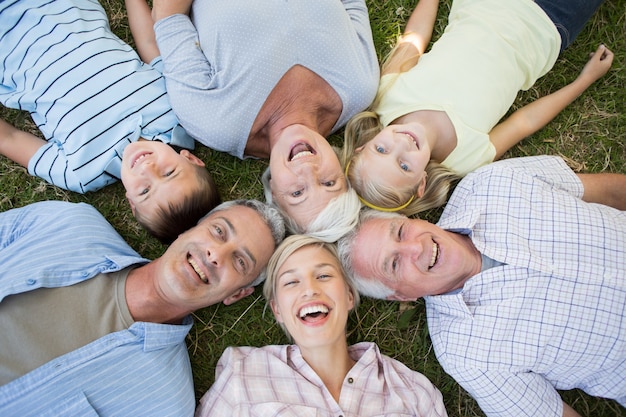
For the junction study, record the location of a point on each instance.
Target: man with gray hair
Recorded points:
(91, 328)
(523, 278)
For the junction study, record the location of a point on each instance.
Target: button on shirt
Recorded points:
(276, 380)
(553, 316)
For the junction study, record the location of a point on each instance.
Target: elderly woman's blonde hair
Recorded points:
(287, 248)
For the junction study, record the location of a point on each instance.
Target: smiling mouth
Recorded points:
(139, 158)
(413, 139)
(197, 269)
(313, 313)
(435, 256)
(301, 150)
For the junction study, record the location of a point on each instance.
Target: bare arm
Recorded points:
(569, 411)
(141, 27)
(164, 8)
(539, 113)
(18, 145)
(605, 188)
(415, 39)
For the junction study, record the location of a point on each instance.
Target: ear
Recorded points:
(421, 187)
(131, 203)
(276, 311)
(192, 158)
(398, 297)
(350, 299)
(359, 149)
(238, 295)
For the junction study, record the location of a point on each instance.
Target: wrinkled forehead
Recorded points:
(371, 244)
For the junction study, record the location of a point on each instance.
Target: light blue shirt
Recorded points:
(141, 371)
(87, 91)
(221, 65)
(552, 316)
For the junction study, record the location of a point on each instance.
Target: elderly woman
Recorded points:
(271, 80)
(320, 374)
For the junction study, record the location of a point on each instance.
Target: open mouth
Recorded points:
(197, 269)
(434, 257)
(301, 150)
(313, 313)
(139, 158)
(413, 139)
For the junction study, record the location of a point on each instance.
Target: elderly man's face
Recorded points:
(214, 260)
(413, 257)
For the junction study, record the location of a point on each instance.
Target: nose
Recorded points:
(412, 250)
(148, 168)
(217, 254)
(310, 286)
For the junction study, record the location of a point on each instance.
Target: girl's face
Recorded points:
(312, 299)
(305, 173)
(397, 156)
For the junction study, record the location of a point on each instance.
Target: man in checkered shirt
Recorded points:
(524, 278)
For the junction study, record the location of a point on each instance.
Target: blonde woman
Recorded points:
(320, 374)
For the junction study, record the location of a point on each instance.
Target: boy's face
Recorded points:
(154, 174)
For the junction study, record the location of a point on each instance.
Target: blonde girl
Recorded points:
(437, 114)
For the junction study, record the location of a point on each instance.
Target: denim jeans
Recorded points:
(569, 16)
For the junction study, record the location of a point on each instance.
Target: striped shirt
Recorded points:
(277, 381)
(141, 371)
(86, 90)
(553, 316)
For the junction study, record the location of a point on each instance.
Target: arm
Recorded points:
(164, 8)
(415, 39)
(605, 188)
(569, 411)
(141, 27)
(537, 114)
(18, 145)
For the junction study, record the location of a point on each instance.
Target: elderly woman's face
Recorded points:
(305, 173)
(312, 299)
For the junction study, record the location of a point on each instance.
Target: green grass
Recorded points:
(591, 134)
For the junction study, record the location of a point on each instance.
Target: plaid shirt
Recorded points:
(277, 381)
(553, 316)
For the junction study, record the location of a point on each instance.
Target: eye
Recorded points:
(380, 149)
(328, 183)
(290, 283)
(404, 166)
(394, 265)
(218, 232)
(324, 276)
(144, 191)
(167, 174)
(296, 193)
(400, 229)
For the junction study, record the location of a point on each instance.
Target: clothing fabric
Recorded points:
(141, 371)
(221, 65)
(275, 380)
(553, 316)
(489, 50)
(569, 16)
(86, 90)
(82, 312)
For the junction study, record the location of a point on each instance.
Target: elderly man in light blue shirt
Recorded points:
(92, 328)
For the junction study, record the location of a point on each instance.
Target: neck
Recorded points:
(475, 260)
(144, 300)
(331, 363)
(440, 132)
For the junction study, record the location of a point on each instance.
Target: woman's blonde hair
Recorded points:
(362, 128)
(287, 248)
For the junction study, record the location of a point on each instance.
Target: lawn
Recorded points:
(590, 134)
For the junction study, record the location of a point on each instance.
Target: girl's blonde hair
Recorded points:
(287, 248)
(362, 128)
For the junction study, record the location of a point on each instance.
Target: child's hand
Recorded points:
(599, 63)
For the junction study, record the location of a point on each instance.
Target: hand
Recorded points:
(164, 8)
(599, 63)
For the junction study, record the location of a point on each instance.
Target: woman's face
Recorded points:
(400, 154)
(311, 297)
(305, 173)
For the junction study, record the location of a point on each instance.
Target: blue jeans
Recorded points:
(569, 16)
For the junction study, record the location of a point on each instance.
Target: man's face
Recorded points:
(216, 259)
(413, 257)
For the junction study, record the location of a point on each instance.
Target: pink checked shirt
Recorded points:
(276, 381)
